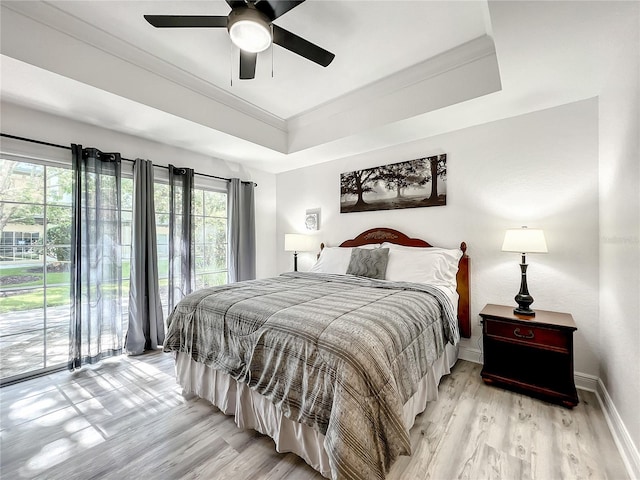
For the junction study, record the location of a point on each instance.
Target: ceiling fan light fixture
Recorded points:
(249, 30)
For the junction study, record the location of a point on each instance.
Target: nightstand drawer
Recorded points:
(533, 335)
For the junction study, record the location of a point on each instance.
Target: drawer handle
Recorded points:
(517, 333)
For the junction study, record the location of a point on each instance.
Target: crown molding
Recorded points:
(464, 54)
(461, 74)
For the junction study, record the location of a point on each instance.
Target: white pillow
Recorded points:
(432, 265)
(336, 259)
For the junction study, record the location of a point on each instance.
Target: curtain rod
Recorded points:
(39, 142)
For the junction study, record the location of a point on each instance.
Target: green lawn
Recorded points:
(34, 299)
(53, 278)
(58, 288)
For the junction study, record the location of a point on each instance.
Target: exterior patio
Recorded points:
(25, 342)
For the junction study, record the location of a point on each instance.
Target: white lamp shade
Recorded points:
(524, 240)
(295, 242)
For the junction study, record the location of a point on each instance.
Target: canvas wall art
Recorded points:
(414, 183)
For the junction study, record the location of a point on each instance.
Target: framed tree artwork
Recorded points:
(414, 183)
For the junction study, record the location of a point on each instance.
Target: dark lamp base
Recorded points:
(523, 299)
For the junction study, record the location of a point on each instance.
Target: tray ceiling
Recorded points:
(399, 66)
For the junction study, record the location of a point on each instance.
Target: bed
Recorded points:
(333, 367)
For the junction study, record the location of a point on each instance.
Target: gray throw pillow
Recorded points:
(370, 263)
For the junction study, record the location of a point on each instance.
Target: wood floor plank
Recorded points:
(128, 417)
(289, 467)
(545, 463)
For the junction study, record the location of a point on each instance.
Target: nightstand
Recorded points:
(532, 355)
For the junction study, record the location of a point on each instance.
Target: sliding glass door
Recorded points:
(35, 226)
(35, 249)
(35, 237)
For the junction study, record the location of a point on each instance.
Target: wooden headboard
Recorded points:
(379, 235)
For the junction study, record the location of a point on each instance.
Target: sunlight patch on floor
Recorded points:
(30, 408)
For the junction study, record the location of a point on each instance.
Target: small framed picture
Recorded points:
(311, 221)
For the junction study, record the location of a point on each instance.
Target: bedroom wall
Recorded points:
(25, 122)
(539, 170)
(620, 237)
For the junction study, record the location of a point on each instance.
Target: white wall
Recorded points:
(24, 122)
(620, 237)
(539, 170)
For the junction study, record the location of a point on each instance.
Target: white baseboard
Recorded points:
(584, 381)
(470, 354)
(628, 450)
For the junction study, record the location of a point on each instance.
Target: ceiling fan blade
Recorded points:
(247, 65)
(302, 47)
(236, 3)
(186, 21)
(275, 8)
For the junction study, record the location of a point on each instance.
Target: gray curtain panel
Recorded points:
(95, 329)
(146, 322)
(242, 231)
(181, 255)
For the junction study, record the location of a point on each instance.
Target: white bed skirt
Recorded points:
(252, 410)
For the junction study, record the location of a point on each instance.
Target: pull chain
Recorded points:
(231, 64)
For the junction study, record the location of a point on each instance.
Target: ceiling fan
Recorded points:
(251, 29)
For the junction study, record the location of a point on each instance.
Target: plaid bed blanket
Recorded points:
(339, 353)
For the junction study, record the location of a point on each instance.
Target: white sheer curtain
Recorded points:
(96, 285)
(146, 323)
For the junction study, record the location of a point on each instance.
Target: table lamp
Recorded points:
(295, 242)
(524, 240)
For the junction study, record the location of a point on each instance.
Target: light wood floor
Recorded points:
(127, 419)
